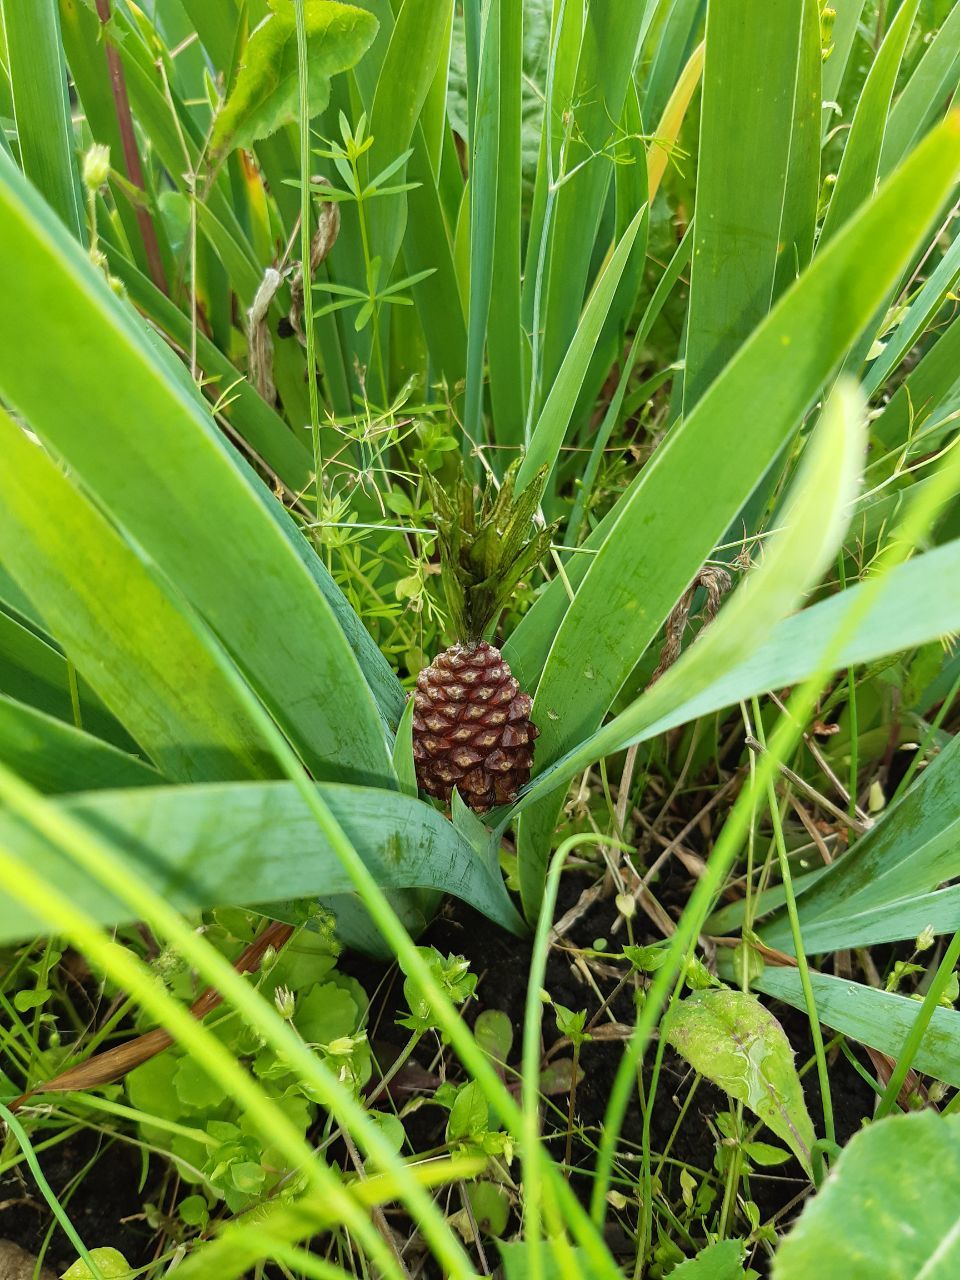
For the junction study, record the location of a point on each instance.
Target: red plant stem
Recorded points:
(131, 155)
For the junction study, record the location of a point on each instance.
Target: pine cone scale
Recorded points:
(472, 727)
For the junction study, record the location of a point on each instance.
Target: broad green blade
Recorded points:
(749, 81)
(912, 849)
(41, 108)
(259, 426)
(416, 47)
(880, 1019)
(876, 1217)
(55, 757)
(253, 843)
(708, 465)
(610, 41)
(151, 661)
(931, 84)
(504, 334)
(156, 462)
(484, 169)
(860, 166)
(912, 610)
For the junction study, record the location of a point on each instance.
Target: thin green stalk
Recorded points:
(56, 1208)
(305, 238)
(530, 1070)
(917, 1031)
(851, 713)
(802, 967)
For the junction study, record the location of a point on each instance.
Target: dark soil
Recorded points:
(99, 1184)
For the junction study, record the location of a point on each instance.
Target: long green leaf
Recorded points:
(860, 166)
(416, 47)
(708, 465)
(911, 850)
(880, 1019)
(931, 83)
(156, 461)
(54, 757)
(247, 844)
(147, 657)
(798, 224)
(917, 317)
(548, 435)
(912, 610)
(34, 671)
(812, 528)
(42, 110)
(749, 81)
(504, 334)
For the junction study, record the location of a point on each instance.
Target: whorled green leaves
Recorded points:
(264, 97)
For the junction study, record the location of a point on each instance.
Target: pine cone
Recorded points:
(472, 728)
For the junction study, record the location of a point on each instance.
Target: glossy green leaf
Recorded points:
(720, 1261)
(749, 83)
(729, 1037)
(150, 660)
(252, 843)
(860, 166)
(55, 757)
(265, 96)
(157, 463)
(876, 1219)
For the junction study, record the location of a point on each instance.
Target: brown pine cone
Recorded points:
(472, 728)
